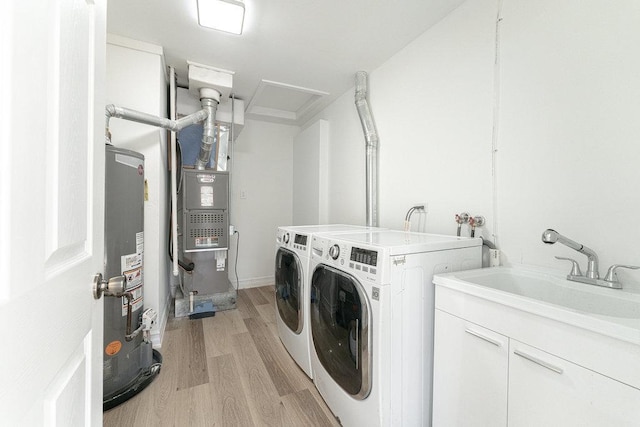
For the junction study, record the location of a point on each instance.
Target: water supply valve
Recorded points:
(461, 218)
(475, 221)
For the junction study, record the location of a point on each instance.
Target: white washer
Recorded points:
(372, 321)
(293, 248)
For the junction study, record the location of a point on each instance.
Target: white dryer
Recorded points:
(293, 248)
(372, 321)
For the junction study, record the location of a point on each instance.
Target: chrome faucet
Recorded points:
(592, 277)
(552, 236)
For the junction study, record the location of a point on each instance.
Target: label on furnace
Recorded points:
(206, 196)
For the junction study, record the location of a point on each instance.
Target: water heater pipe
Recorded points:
(371, 140)
(174, 179)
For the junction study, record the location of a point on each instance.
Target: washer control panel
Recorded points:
(298, 242)
(365, 260)
(350, 258)
(334, 251)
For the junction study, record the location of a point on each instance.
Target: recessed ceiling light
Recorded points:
(223, 15)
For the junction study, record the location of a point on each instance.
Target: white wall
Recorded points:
(432, 104)
(136, 79)
(261, 197)
(310, 175)
(346, 162)
(569, 130)
(563, 100)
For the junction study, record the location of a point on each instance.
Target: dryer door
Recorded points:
(289, 289)
(340, 318)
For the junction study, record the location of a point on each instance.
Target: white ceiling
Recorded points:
(297, 55)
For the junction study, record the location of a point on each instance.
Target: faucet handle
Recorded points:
(575, 268)
(611, 273)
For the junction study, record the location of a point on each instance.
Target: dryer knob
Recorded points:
(334, 251)
(285, 238)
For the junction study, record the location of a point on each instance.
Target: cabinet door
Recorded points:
(470, 374)
(547, 390)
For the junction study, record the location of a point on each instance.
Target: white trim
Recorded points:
(134, 44)
(256, 282)
(157, 333)
(141, 46)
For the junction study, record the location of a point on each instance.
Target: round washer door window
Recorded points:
(340, 329)
(288, 280)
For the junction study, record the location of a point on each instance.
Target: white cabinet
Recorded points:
(485, 378)
(470, 379)
(547, 390)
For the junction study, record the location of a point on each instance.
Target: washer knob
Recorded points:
(285, 238)
(334, 251)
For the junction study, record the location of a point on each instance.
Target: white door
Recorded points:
(51, 207)
(545, 390)
(470, 374)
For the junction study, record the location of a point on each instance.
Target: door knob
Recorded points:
(115, 286)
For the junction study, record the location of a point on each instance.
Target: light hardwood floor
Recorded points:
(226, 370)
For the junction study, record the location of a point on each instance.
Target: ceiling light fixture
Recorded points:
(223, 15)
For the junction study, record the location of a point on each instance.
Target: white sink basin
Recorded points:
(610, 311)
(578, 296)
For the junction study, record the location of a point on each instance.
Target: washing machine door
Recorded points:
(340, 318)
(289, 289)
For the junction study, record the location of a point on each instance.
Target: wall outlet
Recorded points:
(243, 194)
(425, 204)
(494, 258)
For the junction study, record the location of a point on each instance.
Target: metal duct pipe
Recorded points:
(208, 133)
(149, 119)
(371, 140)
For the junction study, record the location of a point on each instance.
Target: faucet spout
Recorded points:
(551, 236)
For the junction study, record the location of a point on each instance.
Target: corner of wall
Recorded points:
(157, 333)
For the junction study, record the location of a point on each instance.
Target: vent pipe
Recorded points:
(208, 114)
(149, 119)
(371, 140)
(209, 99)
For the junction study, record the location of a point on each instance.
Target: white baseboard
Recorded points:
(256, 282)
(157, 332)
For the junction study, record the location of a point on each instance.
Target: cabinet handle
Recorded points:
(482, 337)
(538, 361)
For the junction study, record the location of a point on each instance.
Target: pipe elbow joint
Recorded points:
(110, 109)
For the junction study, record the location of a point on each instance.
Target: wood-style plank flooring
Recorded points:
(226, 370)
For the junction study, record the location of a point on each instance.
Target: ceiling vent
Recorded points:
(283, 103)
